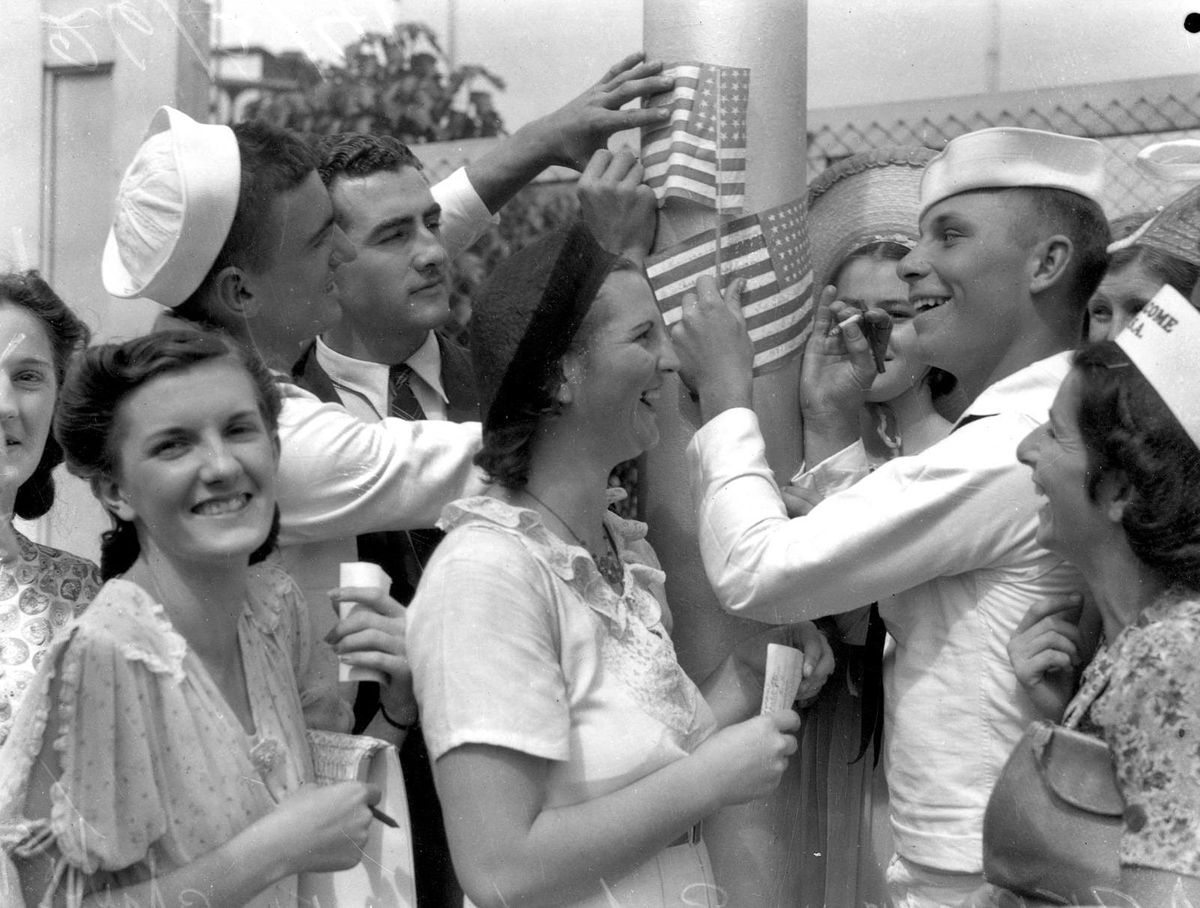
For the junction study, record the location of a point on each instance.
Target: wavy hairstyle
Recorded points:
(87, 421)
(67, 335)
(1129, 433)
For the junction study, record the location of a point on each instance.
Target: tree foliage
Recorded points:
(399, 84)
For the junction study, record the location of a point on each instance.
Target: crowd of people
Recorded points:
(998, 522)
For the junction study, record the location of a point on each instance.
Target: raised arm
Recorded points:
(568, 136)
(340, 476)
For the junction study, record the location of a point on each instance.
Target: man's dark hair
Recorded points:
(1083, 222)
(358, 154)
(273, 161)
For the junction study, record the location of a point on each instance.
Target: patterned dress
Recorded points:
(1141, 693)
(155, 769)
(39, 594)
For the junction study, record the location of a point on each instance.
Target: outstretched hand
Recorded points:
(617, 207)
(715, 352)
(581, 126)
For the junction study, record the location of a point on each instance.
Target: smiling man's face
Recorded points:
(969, 277)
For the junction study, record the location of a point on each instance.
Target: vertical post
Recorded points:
(753, 846)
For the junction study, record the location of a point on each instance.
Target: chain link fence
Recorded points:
(1125, 117)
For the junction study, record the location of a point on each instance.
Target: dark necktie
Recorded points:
(402, 402)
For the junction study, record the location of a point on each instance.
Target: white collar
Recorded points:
(426, 363)
(1024, 391)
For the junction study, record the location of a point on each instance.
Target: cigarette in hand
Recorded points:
(870, 332)
(843, 325)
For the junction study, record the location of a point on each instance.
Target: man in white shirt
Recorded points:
(1012, 243)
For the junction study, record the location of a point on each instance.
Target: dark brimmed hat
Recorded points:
(527, 315)
(867, 198)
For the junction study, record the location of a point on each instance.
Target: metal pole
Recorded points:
(752, 847)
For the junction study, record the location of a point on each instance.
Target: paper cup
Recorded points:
(360, 573)
(785, 671)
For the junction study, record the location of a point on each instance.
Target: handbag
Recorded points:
(1052, 827)
(384, 878)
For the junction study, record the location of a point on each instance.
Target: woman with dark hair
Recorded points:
(573, 756)
(41, 588)
(1119, 466)
(161, 753)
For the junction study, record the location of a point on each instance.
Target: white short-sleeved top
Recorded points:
(517, 641)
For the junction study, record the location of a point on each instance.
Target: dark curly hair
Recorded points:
(67, 335)
(1129, 432)
(89, 406)
(359, 154)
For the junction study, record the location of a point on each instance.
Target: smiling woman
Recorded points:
(1119, 467)
(181, 693)
(573, 756)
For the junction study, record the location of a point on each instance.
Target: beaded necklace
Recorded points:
(608, 564)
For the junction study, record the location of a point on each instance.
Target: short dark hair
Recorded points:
(273, 161)
(67, 335)
(360, 154)
(1083, 222)
(1129, 433)
(104, 376)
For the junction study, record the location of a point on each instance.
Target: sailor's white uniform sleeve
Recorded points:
(464, 215)
(958, 506)
(340, 476)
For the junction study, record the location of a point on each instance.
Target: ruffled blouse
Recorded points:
(517, 641)
(156, 769)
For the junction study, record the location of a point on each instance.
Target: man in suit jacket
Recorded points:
(386, 356)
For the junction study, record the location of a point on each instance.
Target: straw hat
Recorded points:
(1007, 157)
(174, 208)
(1175, 230)
(868, 198)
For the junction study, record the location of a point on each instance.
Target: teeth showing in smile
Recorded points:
(925, 303)
(649, 398)
(216, 506)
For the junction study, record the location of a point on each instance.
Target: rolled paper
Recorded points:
(372, 576)
(785, 671)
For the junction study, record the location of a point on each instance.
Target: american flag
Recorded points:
(769, 250)
(700, 153)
